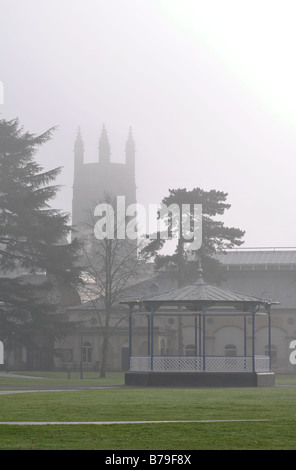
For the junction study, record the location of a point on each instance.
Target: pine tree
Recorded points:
(216, 237)
(30, 235)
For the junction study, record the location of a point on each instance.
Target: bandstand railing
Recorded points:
(200, 364)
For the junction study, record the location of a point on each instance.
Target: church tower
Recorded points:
(93, 181)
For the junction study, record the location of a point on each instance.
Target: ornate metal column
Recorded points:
(245, 336)
(151, 337)
(269, 336)
(204, 339)
(253, 341)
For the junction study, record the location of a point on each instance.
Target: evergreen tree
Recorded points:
(30, 235)
(216, 238)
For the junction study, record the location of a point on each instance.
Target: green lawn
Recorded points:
(276, 405)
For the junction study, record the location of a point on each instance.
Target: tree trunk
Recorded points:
(104, 355)
(106, 335)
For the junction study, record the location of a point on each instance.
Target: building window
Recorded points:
(190, 350)
(230, 350)
(86, 353)
(65, 355)
(163, 349)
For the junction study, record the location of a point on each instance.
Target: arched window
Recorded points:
(86, 352)
(273, 353)
(230, 350)
(163, 348)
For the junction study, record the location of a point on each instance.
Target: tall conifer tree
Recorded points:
(216, 237)
(30, 234)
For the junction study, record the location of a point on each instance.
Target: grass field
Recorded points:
(275, 405)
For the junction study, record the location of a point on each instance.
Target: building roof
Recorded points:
(202, 294)
(148, 287)
(244, 270)
(247, 287)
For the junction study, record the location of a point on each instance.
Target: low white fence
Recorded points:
(197, 363)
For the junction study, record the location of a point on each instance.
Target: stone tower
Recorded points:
(93, 181)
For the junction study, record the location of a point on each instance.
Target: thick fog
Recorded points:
(208, 88)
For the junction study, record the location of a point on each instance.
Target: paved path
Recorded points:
(16, 376)
(10, 392)
(44, 423)
(45, 387)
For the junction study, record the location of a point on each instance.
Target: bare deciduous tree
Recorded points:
(111, 265)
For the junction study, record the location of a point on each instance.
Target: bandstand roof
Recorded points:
(202, 294)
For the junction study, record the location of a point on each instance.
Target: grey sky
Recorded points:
(208, 88)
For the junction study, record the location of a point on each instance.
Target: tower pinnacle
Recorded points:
(104, 147)
(78, 148)
(130, 148)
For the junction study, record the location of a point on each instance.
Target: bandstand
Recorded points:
(201, 369)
